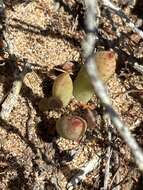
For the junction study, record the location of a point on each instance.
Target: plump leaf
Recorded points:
(106, 65)
(63, 88)
(71, 127)
(82, 89)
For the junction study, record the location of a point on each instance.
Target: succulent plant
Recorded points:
(49, 103)
(63, 88)
(82, 88)
(71, 127)
(106, 65)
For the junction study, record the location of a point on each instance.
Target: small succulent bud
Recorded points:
(82, 88)
(71, 127)
(50, 103)
(106, 65)
(63, 88)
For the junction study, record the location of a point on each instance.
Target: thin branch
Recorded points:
(11, 100)
(119, 12)
(108, 154)
(87, 168)
(118, 174)
(121, 181)
(114, 177)
(137, 67)
(99, 87)
(107, 168)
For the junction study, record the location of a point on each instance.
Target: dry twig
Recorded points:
(137, 67)
(117, 177)
(108, 154)
(99, 88)
(11, 100)
(119, 12)
(87, 168)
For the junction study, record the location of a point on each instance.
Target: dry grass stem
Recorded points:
(108, 154)
(99, 87)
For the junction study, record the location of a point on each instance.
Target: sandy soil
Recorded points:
(32, 156)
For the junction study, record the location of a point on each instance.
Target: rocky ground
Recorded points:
(32, 155)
